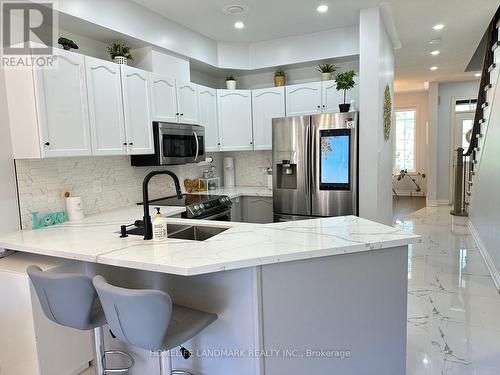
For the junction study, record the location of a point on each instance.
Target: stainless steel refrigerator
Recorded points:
(315, 166)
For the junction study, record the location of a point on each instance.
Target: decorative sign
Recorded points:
(387, 113)
(48, 219)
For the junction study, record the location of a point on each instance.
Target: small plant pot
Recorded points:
(66, 48)
(344, 107)
(120, 60)
(326, 76)
(231, 85)
(279, 81)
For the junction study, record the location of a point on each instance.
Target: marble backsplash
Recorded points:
(105, 183)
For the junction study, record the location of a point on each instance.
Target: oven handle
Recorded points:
(197, 145)
(219, 214)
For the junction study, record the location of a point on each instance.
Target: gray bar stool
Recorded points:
(69, 299)
(149, 320)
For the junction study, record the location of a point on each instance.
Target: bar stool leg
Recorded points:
(99, 358)
(165, 363)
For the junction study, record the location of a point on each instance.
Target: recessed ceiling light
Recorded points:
(322, 8)
(435, 41)
(239, 25)
(235, 9)
(433, 68)
(435, 53)
(477, 75)
(438, 27)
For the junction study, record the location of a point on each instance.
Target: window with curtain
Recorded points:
(404, 145)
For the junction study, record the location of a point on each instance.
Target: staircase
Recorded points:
(471, 158)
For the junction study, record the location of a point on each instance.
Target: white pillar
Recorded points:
(432, 135)
(376, 70)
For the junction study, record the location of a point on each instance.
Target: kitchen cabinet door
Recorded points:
(105, 107)
(61, 97)
(235, 119)
(207, 99)
(187, 96)
(164, 99)
(303, 99)
(257, 210)
(331, 98)
(266, 104)
(137, 110)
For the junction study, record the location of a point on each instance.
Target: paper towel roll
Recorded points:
(74, 208)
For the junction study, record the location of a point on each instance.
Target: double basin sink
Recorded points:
(185, 232)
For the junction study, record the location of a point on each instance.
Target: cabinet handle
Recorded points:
(177, 114)
(131, 144)
(319, 106)
(324, 106)
(47, 143)
(182, 114)
(124, 143)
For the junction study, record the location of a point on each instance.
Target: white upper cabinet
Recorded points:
(331, 98)
(164, 99)
(235, 119)
(303, 99)
(61, 97)
(137, 110)
(105, 107)
(266, 104)
(187, 98)
(207, 99)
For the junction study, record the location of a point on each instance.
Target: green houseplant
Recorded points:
(67, 44)
(120, 53)
(230, 82)
(326, 71)
(279, 78)
(345, 81)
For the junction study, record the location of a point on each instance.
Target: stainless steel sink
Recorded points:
(184, 232)
(197, 233)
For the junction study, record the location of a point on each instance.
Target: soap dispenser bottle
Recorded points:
(159, 226)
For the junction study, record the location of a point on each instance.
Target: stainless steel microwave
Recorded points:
(174, 144)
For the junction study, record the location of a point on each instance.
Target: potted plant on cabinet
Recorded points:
(345, 81)
(279, 78)
(326, 71)
(67, 44)
(120, 53)
(230, 82)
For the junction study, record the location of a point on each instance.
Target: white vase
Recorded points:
(120, 60)
(231, 85)
(326, 76)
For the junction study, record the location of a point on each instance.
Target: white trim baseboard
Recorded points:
(408, 193)
(438, 202)
(495, 274)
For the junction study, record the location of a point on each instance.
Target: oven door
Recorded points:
(219, 216)
(181, 144)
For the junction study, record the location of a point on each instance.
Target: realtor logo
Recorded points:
(27, 33)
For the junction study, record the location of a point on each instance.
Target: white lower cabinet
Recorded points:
(257, 210)
(105, 107)
(266, 105)
(61, 98)
(137, 110)
(303, 99)
(235, 119)
(207, 99)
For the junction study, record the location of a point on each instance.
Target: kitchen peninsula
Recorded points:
(333, 287)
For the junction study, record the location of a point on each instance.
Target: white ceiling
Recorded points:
(465, 22)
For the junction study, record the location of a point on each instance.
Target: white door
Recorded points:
(164, 99)
(207, 98)
(235, 119)
(266, 104)
(331, 98)
(137, 110)
(105, 107)
(187, 95)
(304, 99)
(61, 97)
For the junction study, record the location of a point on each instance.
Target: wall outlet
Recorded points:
(97, 187)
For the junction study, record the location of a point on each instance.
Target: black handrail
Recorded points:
(492, 33)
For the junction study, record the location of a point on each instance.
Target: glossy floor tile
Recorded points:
(453, 305)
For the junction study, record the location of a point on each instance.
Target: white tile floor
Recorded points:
(453, 305)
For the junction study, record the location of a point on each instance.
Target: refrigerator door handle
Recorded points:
(308, 160)
(314, 156)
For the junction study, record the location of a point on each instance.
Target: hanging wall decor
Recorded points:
(387, 112)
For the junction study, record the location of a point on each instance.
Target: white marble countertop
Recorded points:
(96, 239)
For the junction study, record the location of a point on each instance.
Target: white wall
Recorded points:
(448, 92)
(420, 101)
(376, 69)
(9, 213)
